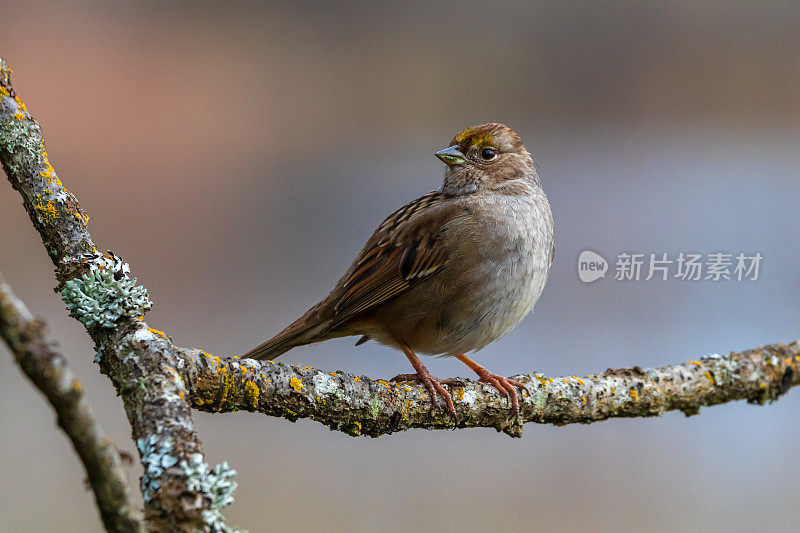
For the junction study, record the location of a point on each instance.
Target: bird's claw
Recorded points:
(434, 386)
(506, 388)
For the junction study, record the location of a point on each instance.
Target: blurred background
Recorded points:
(238, 156)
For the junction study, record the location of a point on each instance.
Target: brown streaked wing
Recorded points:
(405, 249)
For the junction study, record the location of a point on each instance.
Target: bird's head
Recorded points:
(485, 157)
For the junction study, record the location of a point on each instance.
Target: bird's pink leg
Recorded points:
(431, 383)
(504, 385)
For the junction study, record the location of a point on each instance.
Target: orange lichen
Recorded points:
(356, 378)
(709, 377)
(251, 394)
(19, 116)
(698, 363)
(173, 374)
(48, 210)
(296, 384)
(228, 388)
(50, 174)
(214, 358)
(633, 394)
(157, 332)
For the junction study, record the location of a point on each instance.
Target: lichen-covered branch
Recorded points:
(48, 370)
(98, 292)
(54, 211)
(359, 405)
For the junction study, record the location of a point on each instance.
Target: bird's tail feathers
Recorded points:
(301, 331)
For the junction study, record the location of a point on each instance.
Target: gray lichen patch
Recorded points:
(156, 459)
(213, 483)
(23, 142)
(99, 297)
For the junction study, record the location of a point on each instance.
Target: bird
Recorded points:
(449, 272)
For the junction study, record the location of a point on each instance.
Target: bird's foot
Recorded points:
(434, 385)
(450, 382)
(504, 385)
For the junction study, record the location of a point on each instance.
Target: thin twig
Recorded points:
(38, 358)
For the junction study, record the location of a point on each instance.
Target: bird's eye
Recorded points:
(487, 154)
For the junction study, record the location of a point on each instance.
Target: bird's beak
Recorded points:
(451, 156)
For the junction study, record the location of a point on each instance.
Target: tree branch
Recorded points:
(181, 492)
(358, 405)
(159, 381)
(49, 372)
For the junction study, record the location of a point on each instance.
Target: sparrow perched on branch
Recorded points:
(449, 272)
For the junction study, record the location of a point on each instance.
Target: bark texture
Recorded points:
(359, 405)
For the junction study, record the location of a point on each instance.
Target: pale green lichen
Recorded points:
(155, 459)
(104, 294)
(216, 484)
(22, 141)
